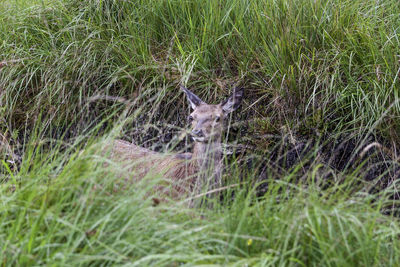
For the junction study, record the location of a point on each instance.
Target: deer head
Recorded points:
(207, 120)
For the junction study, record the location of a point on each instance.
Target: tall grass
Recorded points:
(73, 216)
(74, 74)
(330, 65)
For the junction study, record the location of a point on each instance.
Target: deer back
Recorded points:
(178, 171)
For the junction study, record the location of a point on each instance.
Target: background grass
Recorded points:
(321, 84)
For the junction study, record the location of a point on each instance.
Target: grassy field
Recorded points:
(314, 146)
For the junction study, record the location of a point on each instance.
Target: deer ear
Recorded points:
(232, 102)
(194, 100)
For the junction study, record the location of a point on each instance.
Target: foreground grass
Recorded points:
(54, 216)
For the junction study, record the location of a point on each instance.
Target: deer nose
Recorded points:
(198, 133)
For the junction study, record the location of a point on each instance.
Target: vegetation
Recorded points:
(311, 181)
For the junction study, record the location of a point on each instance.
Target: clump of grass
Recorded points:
(72, 215)
(332, 62)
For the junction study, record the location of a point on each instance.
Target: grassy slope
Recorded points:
(332, 61)
(325, 65)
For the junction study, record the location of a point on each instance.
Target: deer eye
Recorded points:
(190, 118)
(217, 119)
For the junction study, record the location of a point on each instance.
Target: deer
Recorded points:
(185, 173)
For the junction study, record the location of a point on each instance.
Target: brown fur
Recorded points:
(179, 172)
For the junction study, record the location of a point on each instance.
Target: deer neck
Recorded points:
(208, 157)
